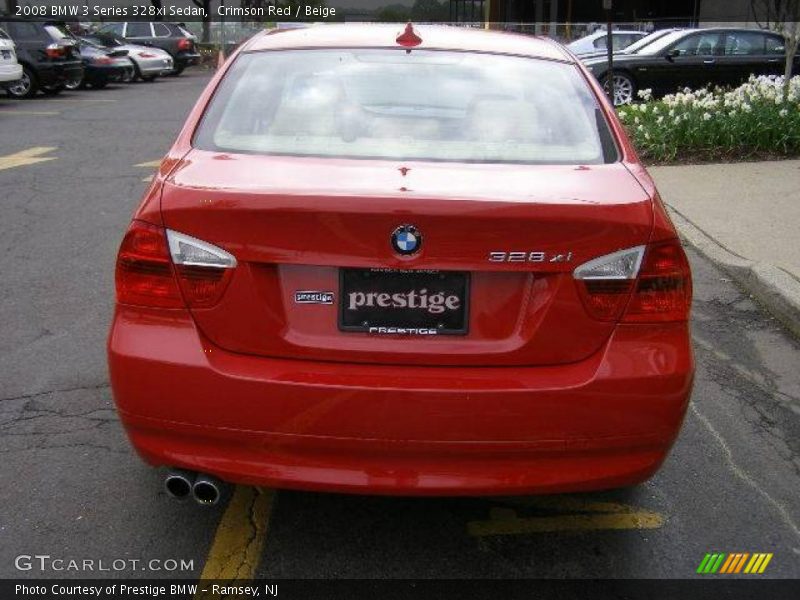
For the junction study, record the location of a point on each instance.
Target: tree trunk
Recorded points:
(791, 51)
(206, 6)
(157, 4)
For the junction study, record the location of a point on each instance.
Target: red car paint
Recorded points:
(543, 394)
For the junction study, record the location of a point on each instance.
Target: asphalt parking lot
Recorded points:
(72, 170)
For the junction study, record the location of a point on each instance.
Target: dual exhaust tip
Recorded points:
(205, 489)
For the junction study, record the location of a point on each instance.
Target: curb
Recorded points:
(772, 287)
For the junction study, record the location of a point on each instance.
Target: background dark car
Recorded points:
(103, 65)
(168, 36)
(693, 58)
(49, 61)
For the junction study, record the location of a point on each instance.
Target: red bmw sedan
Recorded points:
(425, 263)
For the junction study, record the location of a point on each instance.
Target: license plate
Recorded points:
(389, 301)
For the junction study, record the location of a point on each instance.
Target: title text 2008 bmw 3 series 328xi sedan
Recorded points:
(420, 261)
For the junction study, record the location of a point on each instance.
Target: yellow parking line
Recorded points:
(79, 100)
(153, 164)
(36, 113)
(572, 503)
(588, 515)
(31, 156)
(239, 540)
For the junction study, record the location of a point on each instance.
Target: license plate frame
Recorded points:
(386, 320)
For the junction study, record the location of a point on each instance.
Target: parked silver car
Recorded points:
(597, 41)
(149, 62)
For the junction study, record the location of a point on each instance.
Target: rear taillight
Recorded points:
(145, 275)
(641, 284)
(55, 51)
(102, 60)
(146, 55)
(204, 270)
(184, 44)
(606, 282)
(664, 288)
(166, 269)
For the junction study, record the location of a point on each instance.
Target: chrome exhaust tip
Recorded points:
(178, 483)
(207, 490)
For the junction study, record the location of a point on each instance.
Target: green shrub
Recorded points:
(752, 121)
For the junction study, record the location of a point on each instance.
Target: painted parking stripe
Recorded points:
(79, 100)
(31, 156)
(585, 515)
(239, 540)
(153, 164)
(28, 113)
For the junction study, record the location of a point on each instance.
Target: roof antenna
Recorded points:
(409, 38)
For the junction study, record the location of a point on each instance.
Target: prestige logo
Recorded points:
(313, 297)
(435, 303)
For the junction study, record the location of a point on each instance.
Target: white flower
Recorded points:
(660, 120)
(647, 135)
(706, 116)
(783, 112)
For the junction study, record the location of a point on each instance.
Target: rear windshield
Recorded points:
(419, 105)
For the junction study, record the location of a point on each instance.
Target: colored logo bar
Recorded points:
(737, 562)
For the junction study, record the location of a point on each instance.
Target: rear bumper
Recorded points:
(105, 74)
(154, 66)
(59, 73)
(10, 73)
(187, 59)
(607, 421)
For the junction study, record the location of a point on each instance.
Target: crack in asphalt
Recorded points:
(253, 533)
(87, 445)
(740, 473)
(98, 386)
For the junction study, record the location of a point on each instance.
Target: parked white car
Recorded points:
(10, 69)
(597, 41)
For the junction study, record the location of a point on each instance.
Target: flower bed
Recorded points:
(750, 122)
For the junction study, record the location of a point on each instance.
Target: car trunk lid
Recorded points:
(516, 232)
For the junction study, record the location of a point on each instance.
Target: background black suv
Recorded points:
(168, 36)
(48, 61)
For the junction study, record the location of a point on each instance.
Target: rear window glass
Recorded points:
(56, 33)
(26, 30)
(137, 29)
(421, 105)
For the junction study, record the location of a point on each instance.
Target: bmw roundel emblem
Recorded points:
(406, 239)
